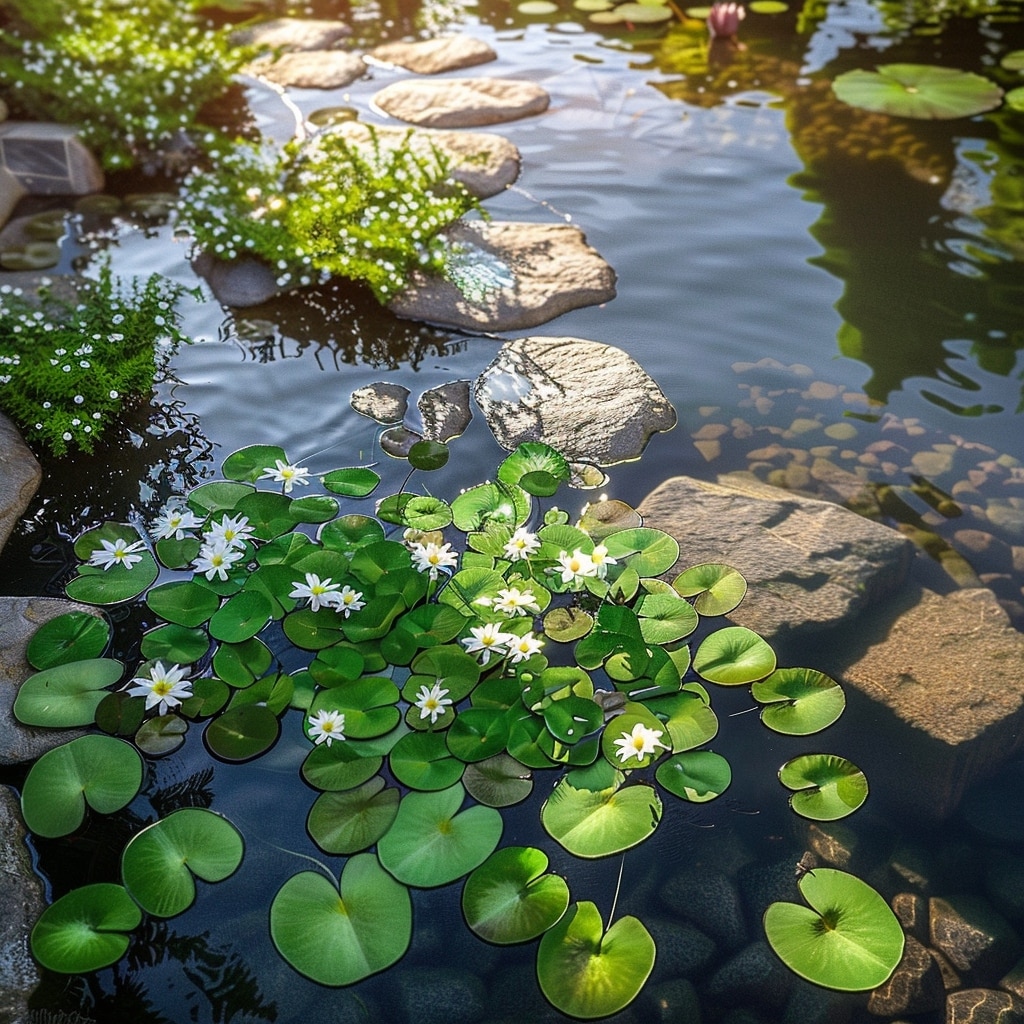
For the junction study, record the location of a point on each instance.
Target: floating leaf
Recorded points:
(249, 464)
(537, 468)
(422, 760)
(506, 504)
(848, 939)
(349, 533)
(94, 585)
(183, 602)
(498, 781)
(1015, 99)
(73, 636)
(800, 701)
(697, 775)
(242, 732)
(66, 695)
(242, 664)
(340, 766)
(828, 787)
(665, 618)
(537, 7)
(429, 455)
(175, 643)
(918, 90)
(733, 656)
(477, 733)
(119, 714)
(313, 508)
(689, 719)
(241, 617)
(217, 496)
(162, 735)
(649, 552)
(1013, 61)
(643, 14)
(350, 821)
(159, 862)
(768, 6)
(563, 625)
(716, 588)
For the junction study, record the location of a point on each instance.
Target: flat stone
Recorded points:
(49, 159)
(462, 102)
(11, 191)
(243, 282)
(534, 390)
(431, 56)
(754, 976)
(22, 900)
(483, 162)
(914, 987)
(20, 477)
(709, 898)
(983, 1006)
(20, 617)
(510, 276)
(310, 69)
(809, 565)
(972, 935)
(291, 34)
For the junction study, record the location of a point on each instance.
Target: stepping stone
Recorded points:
(20, 477)
(292, 34)
(49, 159)
(462, 102)
(238, 283)
(509, 276)
(431, 56)
(310, 69)
(11, 191)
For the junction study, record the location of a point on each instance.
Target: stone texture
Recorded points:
(684, 951)
(20, 617)
(11, 191)
(1004, 882)
(754, 976)
(535, 387)
(915, 986)
(973, 935)
(462, 102)
(809, 565)
(483, 162)
(20, 477)
(431, 56)
(911, 909)
(240, 283)
(511, 276)
(983, 1006)
(49, 159)
(22, 900)
(710, 899)
(310, 69)
(291, 34)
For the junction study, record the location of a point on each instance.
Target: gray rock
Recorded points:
(483, 162)
(973, 935)
(809, 565)
(49, 159)
(22, 900)
(462, 102)
(915, 986)
(291, 34)
(1004, 882)
(11, 191)
(310, 69)
(809, 1004)
(983, 1006)
(534, 389)
(1013, 980)
(438, 996)
(911, 910)
(684, 951)
(431, 56)
(755, 976)
(20, 617)
(20, 477)
(671, 1002)
(239, 283)
(710, 900)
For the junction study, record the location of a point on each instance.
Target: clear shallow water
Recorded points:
(729, 249)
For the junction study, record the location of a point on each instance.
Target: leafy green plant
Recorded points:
(67, 367)
(449, 652)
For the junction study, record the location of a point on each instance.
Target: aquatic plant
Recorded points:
(325, 206)
(134, 77)
(70, 362)
(918, 90)
(451, 652)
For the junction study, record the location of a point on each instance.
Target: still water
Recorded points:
(770, 270)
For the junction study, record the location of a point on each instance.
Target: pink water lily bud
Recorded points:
(724, 19)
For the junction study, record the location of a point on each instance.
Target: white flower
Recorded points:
(165, 688)
(118, 552)
(231, 531)
(431, 557)
(432, 702)
(639, 743)
(488, 638)
(521, 545)
(347, 600)
(523, 647)
(512, 602)
(216, 559)
(173, 521)
(576, 566)
(602, 560)
(321, 593)
(283, 473)
(326, 726)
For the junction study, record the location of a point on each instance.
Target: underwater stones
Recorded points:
(754, 976)
(462, 102)
(508, 276)
(671, 1002)
(983, 1006)
(710, 900)
(49, 159)
(438, 996)
(310, 69)
(20, 477)
(243, 282)
(683, 950)
(972, 935)
(290, 34)
(22, 900)
(431, 56)
(535, 387)
(809, 564)
(914, 987)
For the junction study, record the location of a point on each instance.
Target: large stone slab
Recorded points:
(432, 56)
(20, 477)
(535, 388)
(310, 69)
(462, 102)
(512, 276)
(809, 565)
(291, 34)
(11, 191)
(49, 159)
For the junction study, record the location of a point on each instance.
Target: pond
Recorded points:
(811, 286)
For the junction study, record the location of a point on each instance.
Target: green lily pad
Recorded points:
(498, 781)
(696, 775)
(716, 588)
(509, 898)
(1015, 99)
(99, 771)
(689, 719)
(161, 735)
(73, 636)
(918, 90)
(248, 464)
(86, 929)
(422, 760)
(564, 625)
(349, 533)
(242, 732)
(183, 602)
(768, 6)
(799, 701)
(536, 467)
(338, 934)
(537, 7)
(351, 483)
(175, 643)
(500, 503)
(827, 787)
(241, 617)
(665, 618)
(1013, 61)
(159, 863)
(847, 939)
(432, 843)
(429, 455)
(477, 733)
(340, 766)
(733, 656)
(644, 14)
(368, 705)
(94, 585)
(351, 821)
(313, 508)
(649, 552)
(66, 695)
(588, 972)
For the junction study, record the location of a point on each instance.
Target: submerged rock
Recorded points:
(20, 477)
(49, 159)
(244, 282)
(983, 1006)
(431, 56)
(310, 69)
(914, 987)
(973, 935)
(290, 34)
(462, 102)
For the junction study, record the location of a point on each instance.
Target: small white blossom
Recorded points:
(432, 702)
(118, 552)
(576, 566)
(523, 647)
(326, 726)
(283, 473)
(602, 560)
(521, 545)
(174, 521)
(429, 558)
(231, 531)
(347, 600)
(320, 593)
(639, 743)
(216, 560)
(512, 601)
(164, 688)
(490, 639)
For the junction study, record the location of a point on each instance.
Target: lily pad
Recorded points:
(161, 735)
(183, 602)
(799, 701)
(498, 781)
(733, 656)
(716, 588)
(351, 821)
(249, 464)
(644, 14)
(66, 695)
(696, 775)
(847, 939)
(921, 91)
(74, 636)
(242, 732)
(537, 7)
(422, 760)
(827, 787)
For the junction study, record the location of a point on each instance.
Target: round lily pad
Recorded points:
(922, 91)
(644, 14)
(827, 787)
(768, 6)
(1013, 61)
(351, 821)
(74, 636)
(715, 587)
(696, 775)
(66, 695)
(422, 760)
(799, 701)
(733, 656)
(161, 735)
(183, 602)
(498, 781)
(242, 732)
(537, 7)
(1015, 99)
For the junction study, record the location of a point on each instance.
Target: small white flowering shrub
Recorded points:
(66, 369)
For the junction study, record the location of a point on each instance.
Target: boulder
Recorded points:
(983, 1006)
(310, 69)
(973, 935)
(462, 102)
(20, 477)
(755, 976)
(11, 191)
(914, 987)
(49, 159)
(534, 389)
(291, 34)
(509, 276)
(431, 56)
(244, 282)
